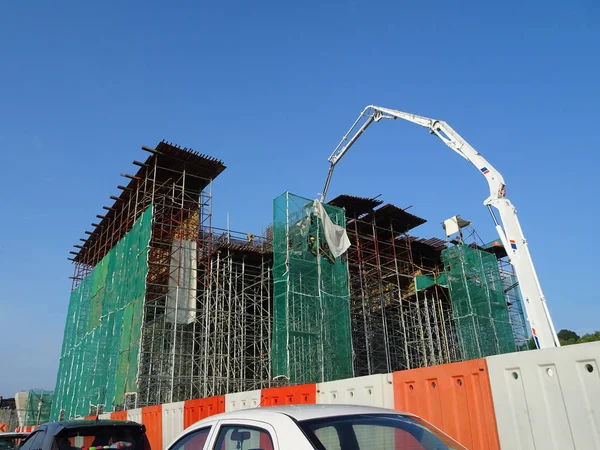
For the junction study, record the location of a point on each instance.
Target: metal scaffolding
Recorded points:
(394, 325)
(205, 315)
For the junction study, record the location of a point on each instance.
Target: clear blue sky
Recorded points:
(270, 88)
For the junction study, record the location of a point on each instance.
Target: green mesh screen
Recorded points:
(515, 310)
(39, 403)
(98, 363)
(311, 306)
(479, 306)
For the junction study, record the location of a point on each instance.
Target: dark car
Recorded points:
(11, 441)
(88, 435)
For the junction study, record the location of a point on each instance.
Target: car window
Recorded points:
(328, 436)
(38, 440)
(377, 432)
(373, 436)
(98, 436)
(233, 437)
(10, 443)
(34, 441)
(193, 441)
(27, 444)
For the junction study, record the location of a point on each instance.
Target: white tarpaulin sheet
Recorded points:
(181, 298)
(335, 235)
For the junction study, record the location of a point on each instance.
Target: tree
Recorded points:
(590, 337)
(567, 337)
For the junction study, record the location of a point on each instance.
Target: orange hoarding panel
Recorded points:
(289, 395)
(120, 415)
(454, 397)
(152, 420)
(195, 410)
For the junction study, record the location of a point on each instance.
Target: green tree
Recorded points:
(567, 337)
(590, 337)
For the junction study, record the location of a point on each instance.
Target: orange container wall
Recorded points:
(121, 415)
(289, 395)
(152, 420)
(454, 397)
(195, 410)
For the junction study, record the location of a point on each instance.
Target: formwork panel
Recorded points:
(196, 410)
(289, 395)
(371, 390)
(242, 400)
(172, 422)
(548, 398)
(454, 397)
(152, 420)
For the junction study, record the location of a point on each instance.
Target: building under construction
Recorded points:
(164, 306)
(167, 307)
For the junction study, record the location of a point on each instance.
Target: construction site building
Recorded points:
(164, 306)
(167, 307)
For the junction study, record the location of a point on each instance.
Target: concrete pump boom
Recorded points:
(509, 230)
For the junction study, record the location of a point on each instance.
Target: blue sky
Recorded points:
(270, 88)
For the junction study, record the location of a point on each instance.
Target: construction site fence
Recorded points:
(546, 399)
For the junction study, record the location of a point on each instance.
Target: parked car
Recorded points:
(322, 427)
(11, 441)
(88, 435)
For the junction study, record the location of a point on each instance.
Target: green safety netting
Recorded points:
(101, 343)
(311, 306)
(426, 281)
(39, 404)
(515, 309)
(479, 308)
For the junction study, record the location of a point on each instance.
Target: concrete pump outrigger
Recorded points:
(509, 231)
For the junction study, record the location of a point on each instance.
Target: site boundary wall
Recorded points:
(478, 402)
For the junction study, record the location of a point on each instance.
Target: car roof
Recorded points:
(55, 427)
(300, 412)
(12, 434)
(87, 423)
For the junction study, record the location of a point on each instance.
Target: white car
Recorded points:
(323, 427)
(11, 441)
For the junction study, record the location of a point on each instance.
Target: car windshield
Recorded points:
(10, 442)
(100, 438)
(376, 432)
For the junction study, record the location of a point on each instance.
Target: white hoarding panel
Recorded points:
(547, 398)
(172, 422)
(371, 390)
(242, 400)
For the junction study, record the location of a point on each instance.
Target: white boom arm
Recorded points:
(510, 231)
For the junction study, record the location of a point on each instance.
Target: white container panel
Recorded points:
(370, 390)
(172, 422)
(104, 416)
(135, 415)
(242, 400)
(547, 398)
